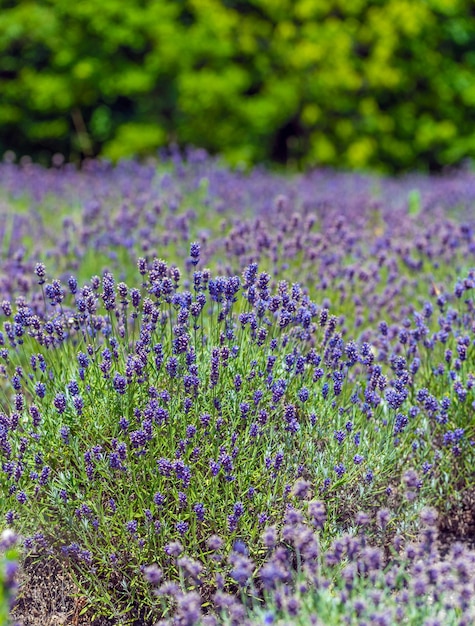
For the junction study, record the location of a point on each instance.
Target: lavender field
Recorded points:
(237, 397)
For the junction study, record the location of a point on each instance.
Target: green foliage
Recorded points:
(386, 85)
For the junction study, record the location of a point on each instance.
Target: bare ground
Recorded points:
(48, 597)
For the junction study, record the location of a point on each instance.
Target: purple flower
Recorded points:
(60, 403)
(19, 402)
(253, 430)
(382, 517)
(199, 510)
(339, 469)
(238, 509)
(45, 472)
(40, 271)
(339, 436)
(400, 423)
(325, 389)
(35, 415)
(317, 513)
(83, 360)
(72, 284)
(108, 293)
(159, 499)
(428, 516)
(194, 253)
(278, 460)
(182, 499)
(301, 488)
(123, 423)
(182, 527)
(242, 568)
(214, 543)
(64, 432)
(119, 383)
(395, 399)
(7, 308)
(258, 395)
(205, 419)
(153, 574)
(174, 548)
(54, 292)
(249, 275)
(244, 409)
(78, 404)
(142, 266)
(411, 479)
(271, 574)
(73, 388)
(172, 367)
(214, 467)
(114, 461)
(132, 526)
(22, 497)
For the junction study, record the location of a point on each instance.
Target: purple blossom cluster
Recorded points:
(351, 239)
(351, 579)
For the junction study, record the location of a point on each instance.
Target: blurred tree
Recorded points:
(382, 84)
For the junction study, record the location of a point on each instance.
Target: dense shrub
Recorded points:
(386, 85)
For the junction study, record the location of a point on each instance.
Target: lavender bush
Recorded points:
(201, 369)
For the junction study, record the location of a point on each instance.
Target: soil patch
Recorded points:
(48, 597)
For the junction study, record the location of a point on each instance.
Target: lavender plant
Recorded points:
(155, 415)
(160, 412)
(351, 582)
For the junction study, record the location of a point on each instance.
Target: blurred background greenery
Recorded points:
(387, 85)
